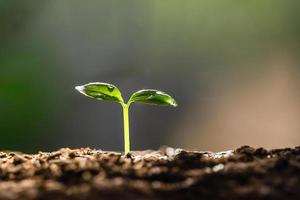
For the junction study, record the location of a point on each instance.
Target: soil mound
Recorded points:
(88, 174)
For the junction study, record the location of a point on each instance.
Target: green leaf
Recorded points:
(101, 91)
(151, 96)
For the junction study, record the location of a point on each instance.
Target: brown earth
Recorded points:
(87, 174)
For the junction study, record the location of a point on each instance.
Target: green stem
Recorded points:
(126, 128)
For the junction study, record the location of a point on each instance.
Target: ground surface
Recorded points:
(88, 174)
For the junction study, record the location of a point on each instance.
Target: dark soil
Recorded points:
(88, 174)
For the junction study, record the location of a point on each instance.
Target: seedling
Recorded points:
(109, 92)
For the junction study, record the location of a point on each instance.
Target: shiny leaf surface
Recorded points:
(150, 96)
(101, 91)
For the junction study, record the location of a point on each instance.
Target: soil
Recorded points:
(89, 174)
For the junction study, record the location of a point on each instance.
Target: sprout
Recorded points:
(109, 92)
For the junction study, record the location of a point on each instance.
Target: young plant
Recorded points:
(109, 92)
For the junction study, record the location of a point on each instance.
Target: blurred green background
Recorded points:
(233, 67)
